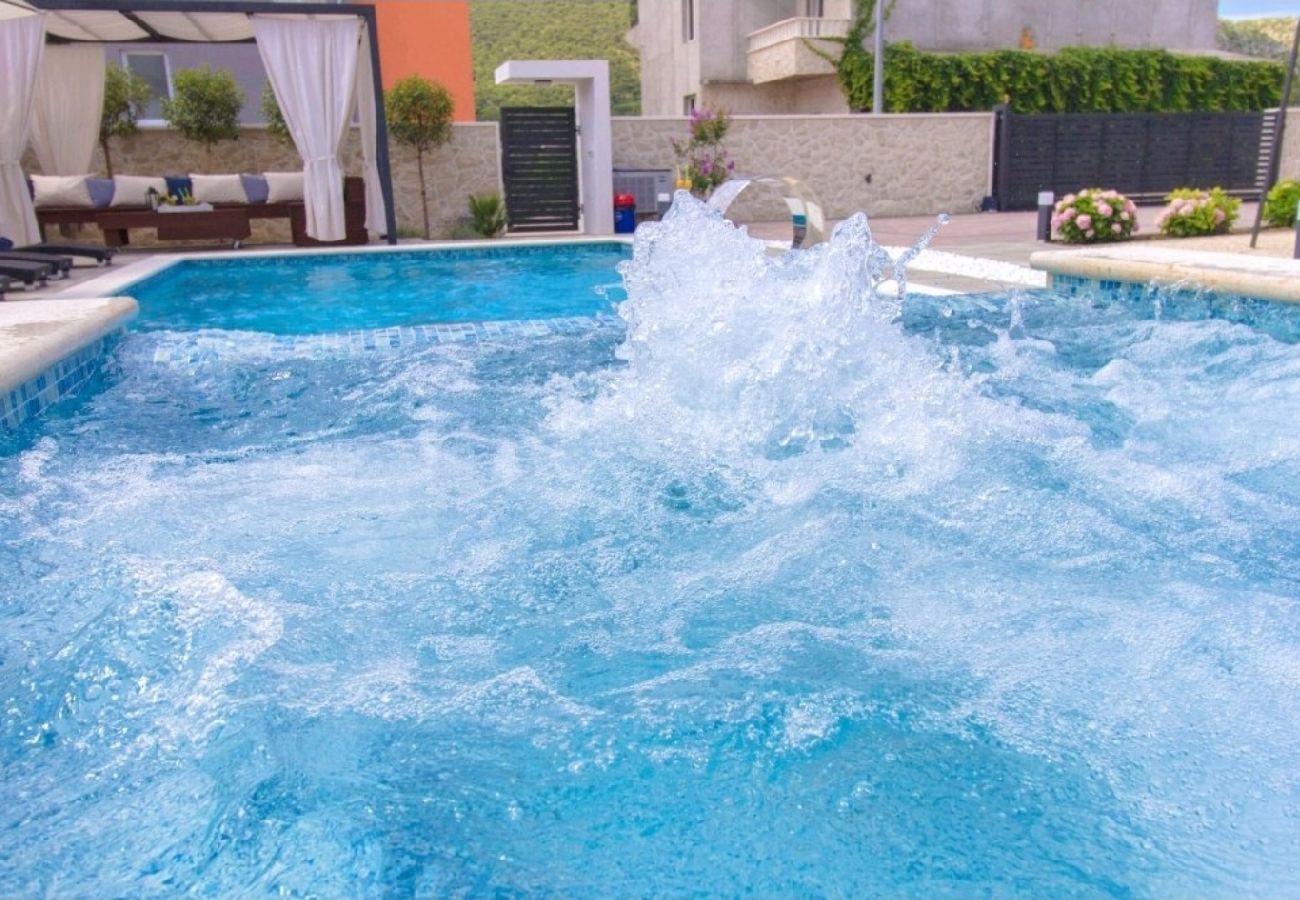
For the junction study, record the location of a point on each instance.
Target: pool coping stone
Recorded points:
(1266, 278)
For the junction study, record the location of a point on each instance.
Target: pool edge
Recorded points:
(49, 349)
(1271, 278)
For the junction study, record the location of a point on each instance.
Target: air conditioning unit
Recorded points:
(646, 185)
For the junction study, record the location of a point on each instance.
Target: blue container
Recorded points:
(624, 214)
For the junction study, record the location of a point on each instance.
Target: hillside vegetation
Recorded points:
(1262, 38)
(554, 29)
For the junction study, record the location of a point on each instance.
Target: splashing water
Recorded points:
(793, 587)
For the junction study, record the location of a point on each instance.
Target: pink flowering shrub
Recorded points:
(1192, 213)
(702, 160)
(1094, 215)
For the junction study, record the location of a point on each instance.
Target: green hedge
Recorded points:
(1074, 80)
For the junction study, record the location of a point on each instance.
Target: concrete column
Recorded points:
(590, 78)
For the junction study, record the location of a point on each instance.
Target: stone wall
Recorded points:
(468, 164)
(893, 165)
(1290, 167)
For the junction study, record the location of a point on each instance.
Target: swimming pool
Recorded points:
(779, 588)
(319, 293)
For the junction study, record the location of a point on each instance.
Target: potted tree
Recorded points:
(419, 116)
(126, 96)
(204, 107)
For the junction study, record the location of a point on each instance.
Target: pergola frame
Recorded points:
(128, 9)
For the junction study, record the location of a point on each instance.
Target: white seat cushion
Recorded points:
(132, 190)
(60, 190)
(283, 187)
(218, 189)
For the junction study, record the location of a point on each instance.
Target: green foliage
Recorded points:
(552, 29)
(419, 115)
(126, 95)
(1280, 204)
(204, 106)
(701, 160)
(274, 119)
(1194, 213)
(1093, 215)
(1076, 79)
(488, 212)
(1261, 38)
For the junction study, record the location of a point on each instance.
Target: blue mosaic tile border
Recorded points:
(204, 347)
(1074, 285)
(62, 380)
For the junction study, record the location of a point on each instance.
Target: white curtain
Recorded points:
(376, 218)
(21, 41)
(312, 67)
(67, 108)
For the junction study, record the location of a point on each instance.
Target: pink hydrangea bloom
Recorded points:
(1219, 216)
(1090, 233)
(1115, 229)
(1071, 213)
(1105, 209)
(1068, 198)
(1084, 221)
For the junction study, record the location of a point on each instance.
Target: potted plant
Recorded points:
(126, 96)
(702, 162)
(204, 107)
(487, 214)
(419, 116)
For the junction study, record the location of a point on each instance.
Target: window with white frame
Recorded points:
(688, 104)
(156, 71)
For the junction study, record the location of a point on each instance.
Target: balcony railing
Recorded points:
(794, 29)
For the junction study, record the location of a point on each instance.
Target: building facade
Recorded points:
(427, 39)
(769, 56)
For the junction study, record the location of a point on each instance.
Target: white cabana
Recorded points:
(313, 55)
(312, 65)
(67, 108)
(22, 40)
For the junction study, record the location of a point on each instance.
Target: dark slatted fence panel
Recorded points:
(539, 165)
(1143, 155)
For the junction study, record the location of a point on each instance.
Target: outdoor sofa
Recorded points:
(238, 199)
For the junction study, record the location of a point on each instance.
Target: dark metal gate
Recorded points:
(1142, 155)
(539, 165)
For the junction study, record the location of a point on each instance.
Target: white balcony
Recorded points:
(785, 49)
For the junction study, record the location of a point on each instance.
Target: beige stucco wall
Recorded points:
(469, 163)
(918, 164)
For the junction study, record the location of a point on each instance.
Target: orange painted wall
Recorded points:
(428, 38)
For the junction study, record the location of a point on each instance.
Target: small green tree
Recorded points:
(419, 116)
(126, 96)
(204, 106)
(274, 119)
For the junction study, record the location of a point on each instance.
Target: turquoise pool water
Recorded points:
(325, 293)
(772, 587)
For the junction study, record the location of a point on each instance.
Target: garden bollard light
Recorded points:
(1046, 200)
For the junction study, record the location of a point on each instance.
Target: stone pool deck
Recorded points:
(1267, 277)
(50, 348)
